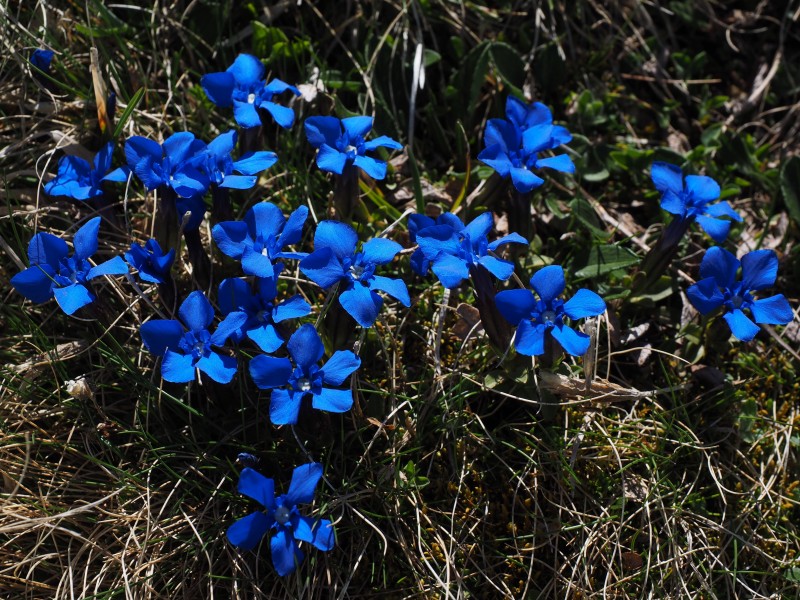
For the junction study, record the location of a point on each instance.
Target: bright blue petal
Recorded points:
(759, 269)
(160, 334)
(529, 339)
(255, 263)
(331, 400)
(524, 180)
(499, 134)
(266, 337)
(549, 282)
(515, 305)
(102, 160)
(276, 86)
(231, 238)
(717, 229)
(139, 149)
(35, 283)
(380, 251)
(181, 146)
(450, 270)
(721, 265)
(45, 248)
(270, 372)
(323, 130)
(219, 367)
(72, 297)
(234, 294)
(253, 163)
(561, 162)
(302, 528)
(383, 141)
(502, 269)
(741, 326)
(283, 115)
(511, 238)
(246, 114)
(357, 127)
(362, 304)
(285, 553)
(585, 303)
(723, 209)
(219, 88)
(147, 175)
(238, 182)
(304, 482)
(338, 236)
(537, 138)
(371, 166)
(496, 157)
(667, 177)
(324, 536)
(254, 485)
(284, 407)
(85, 240)
(479, 227)
(331, 160)
(293, 308)
(702, 188)
(189, 182)
(228, 326)
(774, 310)
(119, 175)
(196, 311)
(246, 533)
(177, 368)
(673, 203)
(113, 266)
(437, 240)
(264, 219)
(222, 145)
(573, 342)
(339, 367)
(323, 267)
(396, 288)
(705, 295)
(293, 230)
(305, 346)
(247, 70)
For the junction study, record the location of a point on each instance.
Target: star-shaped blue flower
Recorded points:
(534, 318)
(259, 240)
(335, 260)
(282, 515)
(306, 377)
(512, 146)
(689, 199)
(719, 288)
(53, 273)
(418, 222)
(262, 311)
(341, 143)
(453, 249)
(78, 179)
(150, 261)
(218, 164)
(243, 86)
(186, 349)
(41, 59)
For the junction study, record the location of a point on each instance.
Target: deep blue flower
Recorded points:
(216, 162)
(283, 516)
(335, 259)
(512, 146)
(171, 164)
(188, 348)
(243, 85)
(54, 273)
(261, 309)
(453, 249)
(150, 261)
(259, 240)
(341, 143)
(689, 198)
(306, 377)
(78, 179)
(719, 288)
(191, 212)
(418, 222)
(41, 59)
(534, 318)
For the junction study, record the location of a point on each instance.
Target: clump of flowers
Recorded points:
(80, 180)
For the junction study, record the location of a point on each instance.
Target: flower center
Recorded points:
(199, 348)
(549, 316)
(356, 271)
(304, 384)
(737, 301)
(282, 515)
(251, 97)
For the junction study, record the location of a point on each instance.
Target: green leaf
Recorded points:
(792, 574)
(510, 66)
(790, 187)
(605, 259)
(266, 38)
(126, 114)
(583, 211)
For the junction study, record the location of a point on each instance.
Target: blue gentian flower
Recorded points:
(305, 378)
(688, 198)
(341, 143)
(188, 348)
(243, 85)
(261, 309)
(259, 240)
(195, 207)
(41, 59)
(171, 164)
(418, 222)
(719, 288)
(53, 273)
(512, 146)
(453, 249)
(216, 162)
(282, 515)
(78, 179)
(150, 261)
(534, 318)
(335, 259)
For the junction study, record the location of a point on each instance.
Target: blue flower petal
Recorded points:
(480, 226)
(304, 482)
(338, 236)
(515, 305)
(35, 283)
(139, 149)
(561, 162)
(339, 367)
(266, 337)
(238, 182)
(119, 175)
(723, 209)
(331, 160)
(741, 326)
(247, 532)
(323, 267)
(396, 288)
(721, 265)
(705, 295)
(222, 145)
(253, 163)
(529, 339)
(270, 372)
(382, 141)
(323, 130)
(537, 138)
(524, 180)
(302, 528)
(255, 263)
(774, 310)
(283, 115)
(702, 188)
(293, 230)
(549, 282)
(667, 177)
(85, 240)
(357, 127)
(438, 240)
(147, 175)
(324, 536)
(450, 270)
(293, 308)
(362, 304)
(196, 311)
(246, 114)
(228, 326)
(380, 251)
(160, 334)
(219, 367)
(45, 248)
(113, 266)
(500, 135)
(264, 220)
(247, 70)
(188, 181)
(331, 400)
(371, 166)
(759, 269)
(497, 158)
(285, 553)
(502, 269)
(284, 406)
(177, 368)
(673, 203)
(511, 238)
(717, 229)
(305, 346)
(72, 297)
(231, 238)
(254, 485)
(585, 303)
(573, 342)
(181, 146)
(276, 86)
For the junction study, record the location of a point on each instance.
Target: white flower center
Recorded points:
(304, 384)
(356, 271)
(251, 98)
